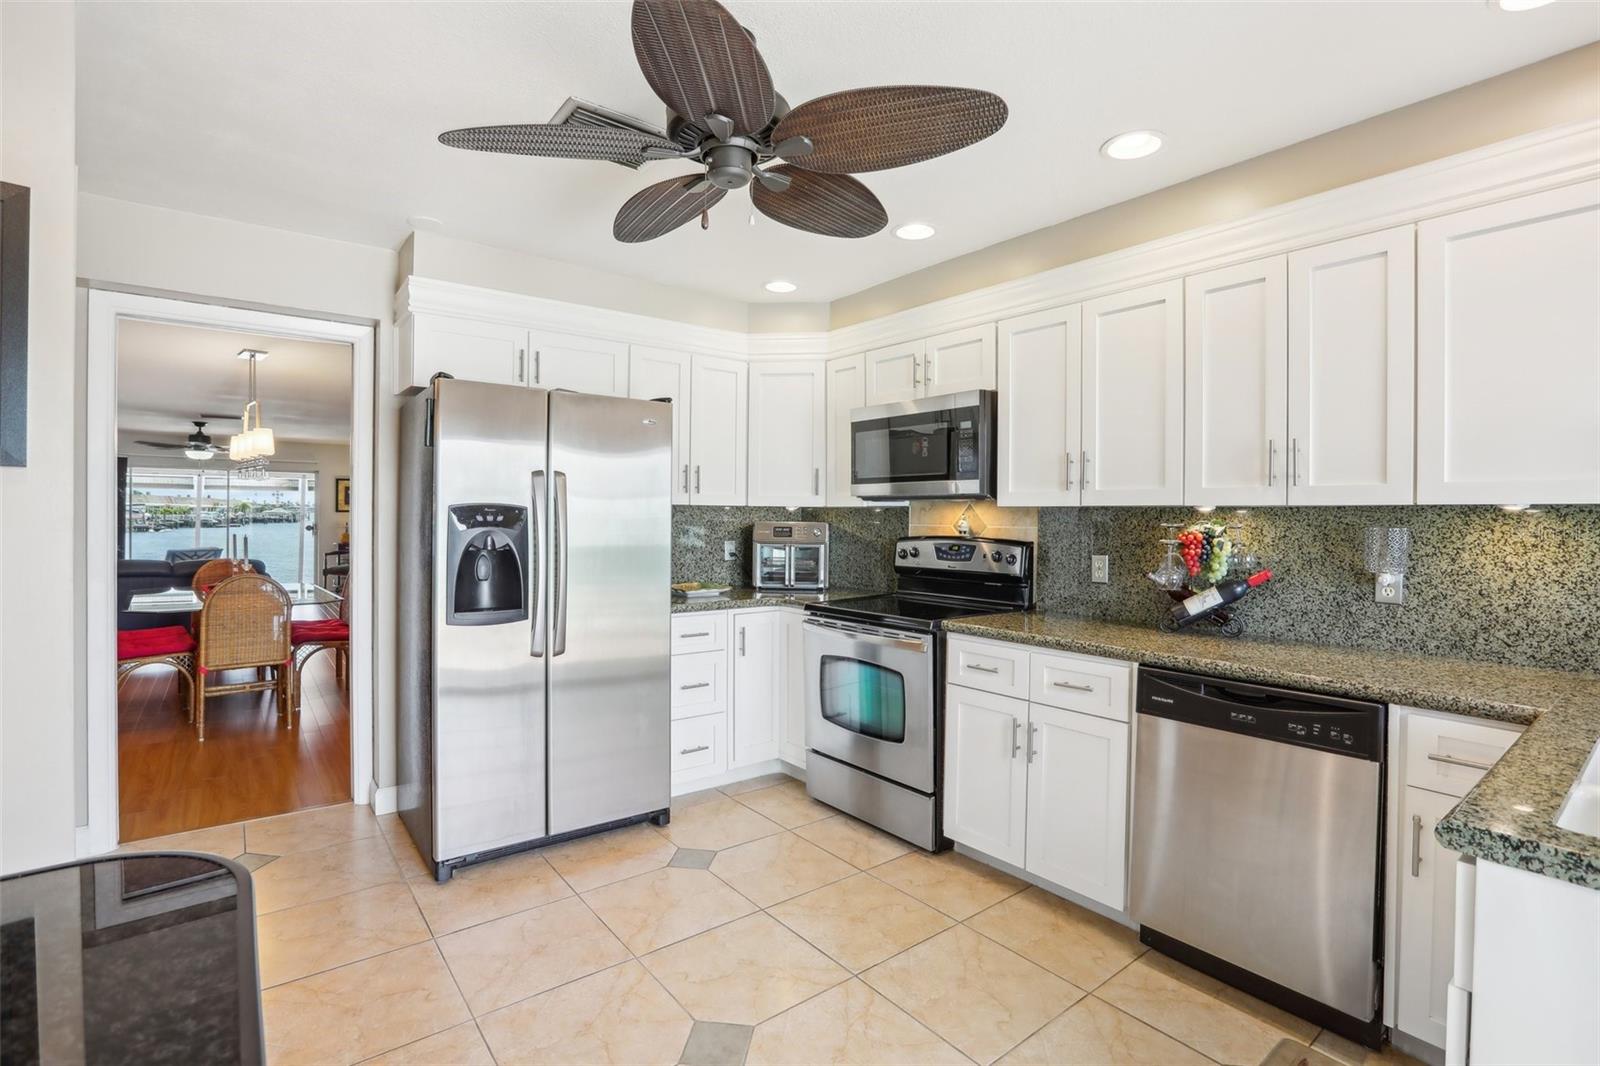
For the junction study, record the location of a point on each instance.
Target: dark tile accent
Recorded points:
(254, 860)
(692, 858)
(717, 1044)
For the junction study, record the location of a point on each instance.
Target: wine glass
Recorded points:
(1170, 574)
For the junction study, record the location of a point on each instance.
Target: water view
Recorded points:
(168, 509)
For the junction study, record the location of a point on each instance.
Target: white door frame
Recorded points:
(106, 308)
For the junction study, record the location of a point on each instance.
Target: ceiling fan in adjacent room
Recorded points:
(196, 445)
(724, 115)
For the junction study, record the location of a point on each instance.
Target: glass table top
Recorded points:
(187, 601)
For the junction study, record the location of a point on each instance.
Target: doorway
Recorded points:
(168, 403)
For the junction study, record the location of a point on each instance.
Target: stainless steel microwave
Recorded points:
(940, 448)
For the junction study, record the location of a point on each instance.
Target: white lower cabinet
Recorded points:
(756, 722)
(1427, 916)
(699, 747)
(1041, 787)
(791, 625)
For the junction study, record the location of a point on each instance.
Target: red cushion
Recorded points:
(319, 631)
(143, 643)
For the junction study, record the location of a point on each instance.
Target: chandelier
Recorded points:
(253, 445)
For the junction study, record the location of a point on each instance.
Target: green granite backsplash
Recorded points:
(1519, 587)
(861, 542)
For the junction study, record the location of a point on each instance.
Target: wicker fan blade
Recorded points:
(830, 204)
(700, 61)
(563, 142)
(889, 126)
(663, 207)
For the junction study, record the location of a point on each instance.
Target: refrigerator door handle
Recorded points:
(558, 529)
(539, 564)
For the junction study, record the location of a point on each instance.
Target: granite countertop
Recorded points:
(1507, 818)
(762, 598)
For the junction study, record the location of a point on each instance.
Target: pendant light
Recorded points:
(253, 444)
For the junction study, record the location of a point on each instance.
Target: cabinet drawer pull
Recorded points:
(697, 684)
(692, 636)
(1451, 760)
(983, 669)
(691, 751)
(1075, 688)
(1416, 845)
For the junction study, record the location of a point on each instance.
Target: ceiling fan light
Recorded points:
(778, 285)
(914, 231)
(1135, 144)
(197, 454)
(1519, 5)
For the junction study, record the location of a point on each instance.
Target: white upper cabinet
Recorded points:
(788, 449)
(718, 429)
(1040, 398)
(463, 348)
(658, 374)
(894, 374)
(1352, 370)
(1508, 351)
(959, 362)
(1132, 449)
(847, 390)
(1236, 362)
(582, 364)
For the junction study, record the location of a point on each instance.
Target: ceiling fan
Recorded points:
(724, 114)
(197, 445)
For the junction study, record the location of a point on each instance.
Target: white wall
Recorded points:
(40, 585)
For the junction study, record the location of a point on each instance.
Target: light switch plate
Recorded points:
(730, 551)
(1100, 569)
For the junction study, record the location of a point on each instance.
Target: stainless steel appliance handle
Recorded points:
(1416, 845)
(983, 669)
(539, 526)
(1016, 736)
(1033, 731)
(697, 684)
(1452, 760)
(888, 638)
(691, 751)
(559, 547)
(1075, 688)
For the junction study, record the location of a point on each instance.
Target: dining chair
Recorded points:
(160, 646)
(244, 624)
(214, 570)
(313, 635)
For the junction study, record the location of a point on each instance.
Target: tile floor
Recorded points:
(760, 927)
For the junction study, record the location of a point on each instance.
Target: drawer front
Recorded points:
(1100, 687)
(998, 668)
(699, 631)
(1449, 754)
(699, 683)
(699, 746)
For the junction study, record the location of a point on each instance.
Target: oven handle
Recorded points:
(889, 638)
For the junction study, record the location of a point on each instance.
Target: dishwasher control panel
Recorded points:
(1349, 727)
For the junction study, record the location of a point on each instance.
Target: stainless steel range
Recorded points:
(874, 666)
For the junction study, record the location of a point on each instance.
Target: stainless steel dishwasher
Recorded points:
(1258, 842)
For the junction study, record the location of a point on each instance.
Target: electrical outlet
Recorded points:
(1100, 569)
(730, 551)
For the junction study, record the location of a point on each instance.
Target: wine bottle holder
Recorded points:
(1224, 621)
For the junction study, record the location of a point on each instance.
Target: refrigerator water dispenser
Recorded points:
(486, 568)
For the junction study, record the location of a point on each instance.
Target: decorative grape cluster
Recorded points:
(1206, 551)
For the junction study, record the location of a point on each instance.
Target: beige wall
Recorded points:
(1564, 88)
(40, 638)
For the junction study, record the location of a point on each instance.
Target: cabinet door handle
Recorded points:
(697, 684)
(1272, 460)
(691, 751)
(536, 355)
(1033, 731)
(1069, 470)
(1416, 845)
(685, 477)
(1451, 760)
(1083, 470)
(741, 640)
(983, 669)
(816, 481)
(1016, 736)
(697, 479)
(916, 370)
(1294, 461)
(522, 366)
(1075, 688)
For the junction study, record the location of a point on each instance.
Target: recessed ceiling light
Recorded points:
(914, 231)
(780, 286)
(1135, 144)
(246, 353)
(1519, 5)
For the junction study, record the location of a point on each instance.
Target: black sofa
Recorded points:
(156, 575)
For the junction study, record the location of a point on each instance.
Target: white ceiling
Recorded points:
(322, 118)
(168, 375)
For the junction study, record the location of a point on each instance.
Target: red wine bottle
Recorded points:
(1203, 603)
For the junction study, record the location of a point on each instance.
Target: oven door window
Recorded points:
(807, 563)
(864, 698)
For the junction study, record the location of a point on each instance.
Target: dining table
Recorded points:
(185, 600)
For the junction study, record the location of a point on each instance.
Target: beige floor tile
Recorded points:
(1290, 1052)
(1185, 1005)
(664, 906)
(224, 840)
(487, 891)
(403, 848)
(787, 804)
(359, 1010)
(309, 830)
(744, 972)
(953, 883)
(849, 1023)
(861, 921)
(1092, 1033)
(776, 868)
(461, 1046)
(619, 1015)
(716, 824)
(313, 937)
(694, 799)
(606, 857)
(1353, 1054)
(855, 842)
(751, 784)
(307, 876)
(530, 952)
(1064, 938)
(981, 997)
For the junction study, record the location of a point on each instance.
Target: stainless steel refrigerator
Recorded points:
(534, 554)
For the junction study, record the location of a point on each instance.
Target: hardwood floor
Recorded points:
(249, 766)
